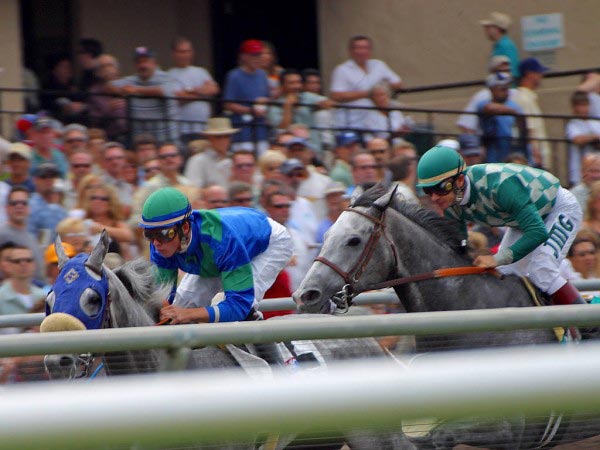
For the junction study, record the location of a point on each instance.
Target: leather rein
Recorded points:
(343, 299)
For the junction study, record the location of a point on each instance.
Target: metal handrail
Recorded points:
(186, 408)
(298, 328)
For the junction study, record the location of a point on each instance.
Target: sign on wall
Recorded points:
(542, 32)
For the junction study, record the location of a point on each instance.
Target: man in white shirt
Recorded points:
(196, 83)
(352, 81)
(584, 134)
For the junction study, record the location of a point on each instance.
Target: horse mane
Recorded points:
(442, 229)
(138, 281)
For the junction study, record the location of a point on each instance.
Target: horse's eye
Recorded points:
(90, 303)
(354, 242)
(50, 298)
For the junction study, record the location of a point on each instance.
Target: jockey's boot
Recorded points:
(567, 295)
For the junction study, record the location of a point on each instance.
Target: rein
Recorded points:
(439, 273)
(343, 299)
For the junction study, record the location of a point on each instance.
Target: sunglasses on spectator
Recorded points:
(81, 166)
(160, 235)
(296, 175)
(242, 200)
(18, 202)
(442, 189)
(71, 140)
(369, 166)
(584, 253)
(281, 205)
(244, 166)
(20, 260)
(168, 155)
(98, 197)
(379, 150)
(218, 202)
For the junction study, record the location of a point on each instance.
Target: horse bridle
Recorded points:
(343, 298)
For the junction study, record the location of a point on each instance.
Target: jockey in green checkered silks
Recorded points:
(541, 217)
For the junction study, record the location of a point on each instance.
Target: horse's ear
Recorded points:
(60, 252)
(97, 256)
(385, 200)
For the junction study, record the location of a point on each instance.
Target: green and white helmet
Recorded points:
(165, 208)
(438, 164)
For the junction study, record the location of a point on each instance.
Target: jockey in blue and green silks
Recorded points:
(236, 250)
(541, 216)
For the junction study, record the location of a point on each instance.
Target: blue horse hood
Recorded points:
(80, 294)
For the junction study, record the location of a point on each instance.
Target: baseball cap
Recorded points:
(44, 122)
(498, 19)
(289, 165)
(498, 79)
(532, 65)
(50, 253)
(495, 61)
(253, 46)
(346, 138)
(18, 148)
(452, 143)
(470, 144)
(143, 52)
(46, 170)
(335, 188)
(298, 141)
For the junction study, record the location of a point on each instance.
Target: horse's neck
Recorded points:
(425, 254)
(125, 313)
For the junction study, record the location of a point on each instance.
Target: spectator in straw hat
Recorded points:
(18, 160)
(496, 30)
(213, 165)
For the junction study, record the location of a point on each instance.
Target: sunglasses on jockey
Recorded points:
(441, 189)
(161, 235)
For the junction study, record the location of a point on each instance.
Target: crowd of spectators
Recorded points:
(99, 143)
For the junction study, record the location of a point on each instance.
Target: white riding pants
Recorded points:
(542, 265)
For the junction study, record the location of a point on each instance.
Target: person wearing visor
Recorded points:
(238, 251)
(542, 218)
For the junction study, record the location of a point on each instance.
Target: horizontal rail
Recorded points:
(315, 327)
(201, 407)
(385, 296)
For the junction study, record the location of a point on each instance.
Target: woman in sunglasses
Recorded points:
(238, 251)
(542, 218)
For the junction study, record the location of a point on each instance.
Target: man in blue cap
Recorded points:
(532, 72)
(347, 144)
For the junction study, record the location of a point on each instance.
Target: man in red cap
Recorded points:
(246, 91)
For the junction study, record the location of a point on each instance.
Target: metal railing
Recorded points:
(193, 407)
(385, 296)
(192, 336)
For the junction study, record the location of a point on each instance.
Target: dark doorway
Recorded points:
(290, 27)
(46, 26)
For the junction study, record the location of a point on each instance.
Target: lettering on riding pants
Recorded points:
(559, 234)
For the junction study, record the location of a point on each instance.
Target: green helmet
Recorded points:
(164, 208)
(437, 164)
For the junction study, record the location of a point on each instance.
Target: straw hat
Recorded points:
(219, 126)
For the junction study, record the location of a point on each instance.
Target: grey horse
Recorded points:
(89, 295)
(380, 238)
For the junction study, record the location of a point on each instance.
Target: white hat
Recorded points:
(218, 126)
(498, 19)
